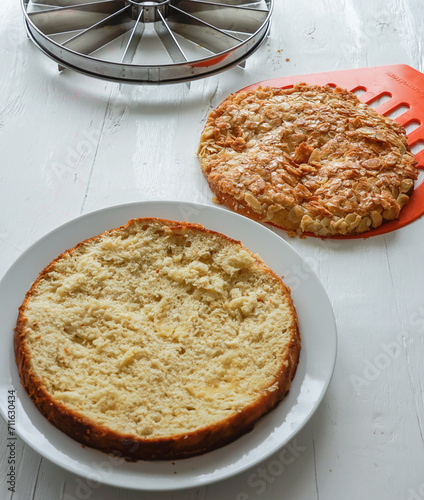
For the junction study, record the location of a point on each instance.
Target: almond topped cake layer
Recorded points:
(157, 340)
(307, 159)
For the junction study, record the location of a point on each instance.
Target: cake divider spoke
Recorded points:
(134, 40)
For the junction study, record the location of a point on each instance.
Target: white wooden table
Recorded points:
(70, 145)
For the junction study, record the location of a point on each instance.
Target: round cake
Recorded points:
(307, 159)
(157, 340)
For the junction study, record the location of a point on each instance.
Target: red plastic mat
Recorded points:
(404, 88)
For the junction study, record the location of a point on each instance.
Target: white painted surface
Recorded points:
(366, 440)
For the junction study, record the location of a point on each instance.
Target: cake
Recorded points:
(308, 159)
(157, 340)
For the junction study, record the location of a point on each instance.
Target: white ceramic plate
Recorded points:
(273, 431)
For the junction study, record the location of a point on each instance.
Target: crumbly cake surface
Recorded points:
(307, 159)
(157, 340)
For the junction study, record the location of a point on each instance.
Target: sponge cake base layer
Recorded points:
(157, 340)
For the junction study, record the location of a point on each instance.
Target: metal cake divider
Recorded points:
(198, 37)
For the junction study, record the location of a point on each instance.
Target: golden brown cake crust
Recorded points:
(131, 447)
(307, 159)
